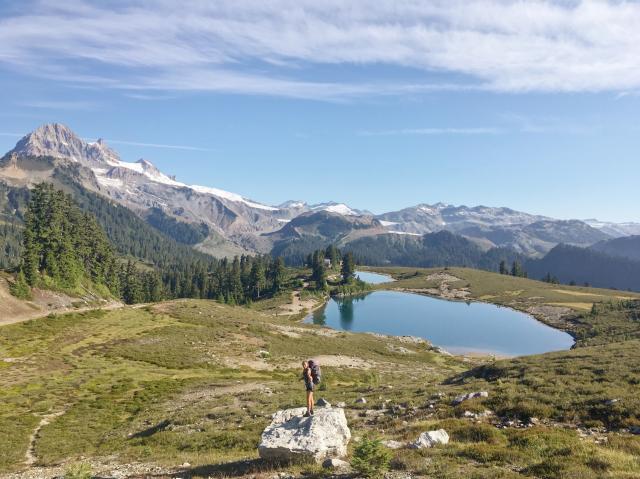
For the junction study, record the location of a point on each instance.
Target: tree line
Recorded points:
(64, 247)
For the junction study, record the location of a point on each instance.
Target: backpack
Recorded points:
(315, 372)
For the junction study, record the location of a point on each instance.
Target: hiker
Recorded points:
(308, 384)
(311, 376)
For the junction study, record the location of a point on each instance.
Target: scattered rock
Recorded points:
(322, 402)
(292, 437)
(479, 415)
(611, 402)
(361, 401)
(464, 397)
(341, 404)
(634, 430)
(430, 439)
(185, 465)
(391, 444)
(334, 463)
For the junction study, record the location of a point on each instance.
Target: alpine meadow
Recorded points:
(302, 240)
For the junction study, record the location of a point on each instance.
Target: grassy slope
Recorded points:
(187, 381)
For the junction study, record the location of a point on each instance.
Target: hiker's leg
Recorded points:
(309, 393)
(311, 401)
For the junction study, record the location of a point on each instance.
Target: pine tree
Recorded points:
(276, 274)
(503, 267)
(348, 268)
(256, 279)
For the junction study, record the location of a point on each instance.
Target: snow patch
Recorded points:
(404, 233)
(388, 223)
(231, 197)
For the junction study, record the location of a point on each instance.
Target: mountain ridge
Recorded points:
(249, 225)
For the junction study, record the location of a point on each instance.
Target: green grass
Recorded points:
(188, 381)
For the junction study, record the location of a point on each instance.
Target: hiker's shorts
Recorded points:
(309, 386)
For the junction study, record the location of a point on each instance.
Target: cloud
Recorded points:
(278, 47)
(158, 145)
(434, 131)
(60, 105)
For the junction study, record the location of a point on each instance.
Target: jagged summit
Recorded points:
(59, 141)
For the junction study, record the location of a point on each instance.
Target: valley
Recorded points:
(185, 387)
(224, 224)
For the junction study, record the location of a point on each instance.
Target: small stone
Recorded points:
(361, 401)
(335, 463)
(430, 439)
(391, 444)
(611, 402)
(341, 404)
(185, 464)
(464, 397)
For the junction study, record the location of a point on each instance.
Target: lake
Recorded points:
(373, 278)
(458, 327)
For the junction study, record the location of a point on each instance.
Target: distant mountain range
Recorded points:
(222, 223)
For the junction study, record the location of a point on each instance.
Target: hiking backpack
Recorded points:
(315, 372)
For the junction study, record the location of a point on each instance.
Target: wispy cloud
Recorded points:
(60, 105)
(433, 131)
(271, 47)
(158, 145)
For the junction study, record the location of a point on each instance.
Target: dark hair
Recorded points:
(311, 363)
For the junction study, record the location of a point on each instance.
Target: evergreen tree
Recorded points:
(319, 272)
(256, 279)
(503, 267)
(276, 274)
(348, 268)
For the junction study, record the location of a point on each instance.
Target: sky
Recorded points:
(534, 105)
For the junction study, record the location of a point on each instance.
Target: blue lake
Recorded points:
(373, 278)
(458, 327)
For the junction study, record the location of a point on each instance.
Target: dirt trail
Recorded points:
(298, 305)
(14, 310)
(30, 457)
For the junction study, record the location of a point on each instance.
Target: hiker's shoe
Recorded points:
(311, 412)
(306, 414)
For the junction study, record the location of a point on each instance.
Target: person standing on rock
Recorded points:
(308, 384)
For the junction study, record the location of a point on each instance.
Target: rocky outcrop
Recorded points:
(292, 438)
(464, 397)
(430, 439)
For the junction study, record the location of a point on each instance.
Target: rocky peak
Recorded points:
(59, 141)
(149, 167)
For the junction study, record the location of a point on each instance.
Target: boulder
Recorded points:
(293, 438)
(464, 397)
(335, 463)
(430, 439)
(322, 402)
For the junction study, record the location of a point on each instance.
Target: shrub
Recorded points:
(20, 288)
(81, 470)
(371, 458)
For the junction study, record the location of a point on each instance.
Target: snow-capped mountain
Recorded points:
(616, 230)
(489, 226)
(54, 149)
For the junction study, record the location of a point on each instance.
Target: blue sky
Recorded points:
(532, 105)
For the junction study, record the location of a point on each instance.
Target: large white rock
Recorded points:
(430, 439)
(292, 437)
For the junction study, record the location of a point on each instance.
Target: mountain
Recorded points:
(441, 248)
(624, 247)
(315, 230)
(223, 223)
(493, 227)
(585, 265)
(615, 230)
